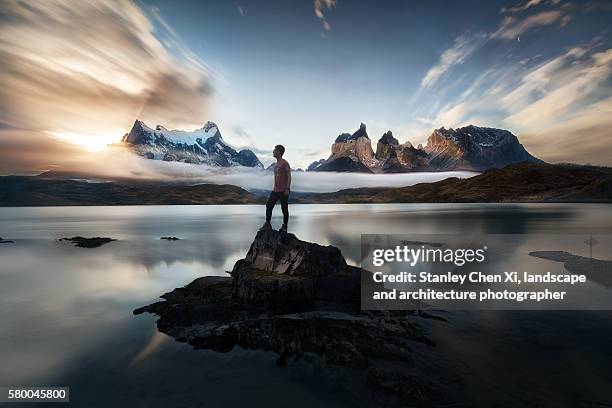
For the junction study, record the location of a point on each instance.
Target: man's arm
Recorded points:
(288, 186)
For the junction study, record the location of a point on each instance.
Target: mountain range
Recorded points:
(471, 148)
(467, 148)
(202, 146)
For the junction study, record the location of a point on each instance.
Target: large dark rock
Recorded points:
(83, 242)
(283, 253)
(301, 299)
(283, 273)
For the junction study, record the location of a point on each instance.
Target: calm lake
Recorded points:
(66, 312)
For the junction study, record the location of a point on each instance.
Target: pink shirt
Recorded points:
(282, 175)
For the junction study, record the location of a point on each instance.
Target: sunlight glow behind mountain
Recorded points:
(90, 142)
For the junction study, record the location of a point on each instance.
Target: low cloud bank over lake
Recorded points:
(322, 182)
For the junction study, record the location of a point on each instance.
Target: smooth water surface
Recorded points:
(66, 312)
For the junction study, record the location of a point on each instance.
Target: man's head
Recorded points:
(278, 152)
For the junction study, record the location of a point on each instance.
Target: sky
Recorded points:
(77, 73)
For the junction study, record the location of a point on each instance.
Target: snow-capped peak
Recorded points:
(203, 145)
(209, 126)
(198, 136)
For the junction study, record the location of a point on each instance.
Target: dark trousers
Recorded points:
(284, 199)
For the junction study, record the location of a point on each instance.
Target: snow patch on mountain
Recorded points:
(201, 146)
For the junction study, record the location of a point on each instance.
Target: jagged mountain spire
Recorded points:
(468, 148)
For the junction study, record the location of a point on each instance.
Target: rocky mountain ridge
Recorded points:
(475, 148)
(467, 148)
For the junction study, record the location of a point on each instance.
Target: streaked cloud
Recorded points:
(558, 87)
(583, 137)
(463, 47)
(320, 7)
(512, 27)
(83, 70)
(527, 5)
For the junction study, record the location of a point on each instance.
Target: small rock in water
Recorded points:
(6, 241)
(94, 242)
(170, 238)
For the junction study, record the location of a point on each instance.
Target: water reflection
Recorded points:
(66, 311)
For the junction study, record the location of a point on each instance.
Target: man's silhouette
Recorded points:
(282, 183)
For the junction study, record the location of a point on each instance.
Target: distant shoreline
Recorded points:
(521, 183)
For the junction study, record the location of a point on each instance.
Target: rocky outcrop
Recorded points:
(201, 146)
(83, 242)
(283, 273)
(301, 299)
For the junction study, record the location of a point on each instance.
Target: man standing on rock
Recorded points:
(282, 183)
